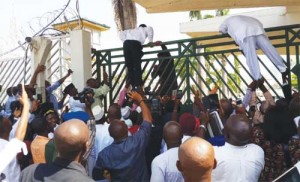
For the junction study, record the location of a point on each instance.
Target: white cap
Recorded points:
(98, 112)
(125, 111)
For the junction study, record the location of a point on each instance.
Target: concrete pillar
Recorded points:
(81, 58)
(41, 48)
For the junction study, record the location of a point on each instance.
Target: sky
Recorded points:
(21, 18)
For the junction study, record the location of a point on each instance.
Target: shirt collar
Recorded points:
(233, 146)
(65, 163)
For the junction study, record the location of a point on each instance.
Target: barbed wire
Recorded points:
(39, 32)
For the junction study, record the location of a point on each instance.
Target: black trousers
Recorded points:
(133, 53)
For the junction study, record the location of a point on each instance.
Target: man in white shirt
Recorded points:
(13, 170)
(133, 40)
(237, 159)
(10, 149)
(75, 104)
(163, 166)
(249, 34)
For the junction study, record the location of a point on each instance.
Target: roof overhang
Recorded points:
(76, 24)
(163, 6)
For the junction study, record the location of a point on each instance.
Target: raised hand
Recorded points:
(135, 96)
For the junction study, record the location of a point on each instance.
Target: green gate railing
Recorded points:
(205, 61)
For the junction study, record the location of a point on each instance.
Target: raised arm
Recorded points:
(22, 126)
(39, 69)
(65, 77)
(136, 97)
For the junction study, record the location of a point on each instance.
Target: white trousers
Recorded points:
(261, 42)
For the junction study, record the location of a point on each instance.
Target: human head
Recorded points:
(188, 123)
(5, 128)
(196, 160)
(15, 90)
(52, 118)
(92, 83)
(142, 25)
(238, 130)
(9, 91)
(39, 126)
(278, 125)
(172, 134)
(16, 108)
(118, 130)
(71, 139)
(294, 107)
(71, 90)
(226, 107)
(114, 112)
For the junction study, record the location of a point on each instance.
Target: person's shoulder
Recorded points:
(159, 159)
(147, 124)
(82, 178)
(255, 147)
(33, 168)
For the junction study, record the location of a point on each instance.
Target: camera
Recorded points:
(86, 95)
(211, 102)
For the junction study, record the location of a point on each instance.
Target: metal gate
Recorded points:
(204, 62)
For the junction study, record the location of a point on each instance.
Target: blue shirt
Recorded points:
(125, 160)
(52, 97)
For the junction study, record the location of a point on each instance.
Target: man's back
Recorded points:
(238, 163)
(59, 170)
(240, 27)
(125, 160)
(164, 167)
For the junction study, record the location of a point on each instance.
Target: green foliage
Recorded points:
(197, 15)
(295, 81)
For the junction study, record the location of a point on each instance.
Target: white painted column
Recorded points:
(41, 48)
(81, 63)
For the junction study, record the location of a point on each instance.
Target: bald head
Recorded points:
(196, 159)
(238, 130)
(118, 130)
(172, 134)
(71, 139)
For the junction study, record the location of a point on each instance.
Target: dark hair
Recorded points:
(142, 25)
(9, 91)
(15, 105)
(295, 107)
(278, 125)
(15, 90)
(39, 124)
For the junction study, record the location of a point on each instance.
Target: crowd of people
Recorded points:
(134, 142)
(140, 140)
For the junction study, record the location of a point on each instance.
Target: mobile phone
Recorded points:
(179, 94)
(211, 102)
(174, 93)
(215, 126)
(155, 105)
